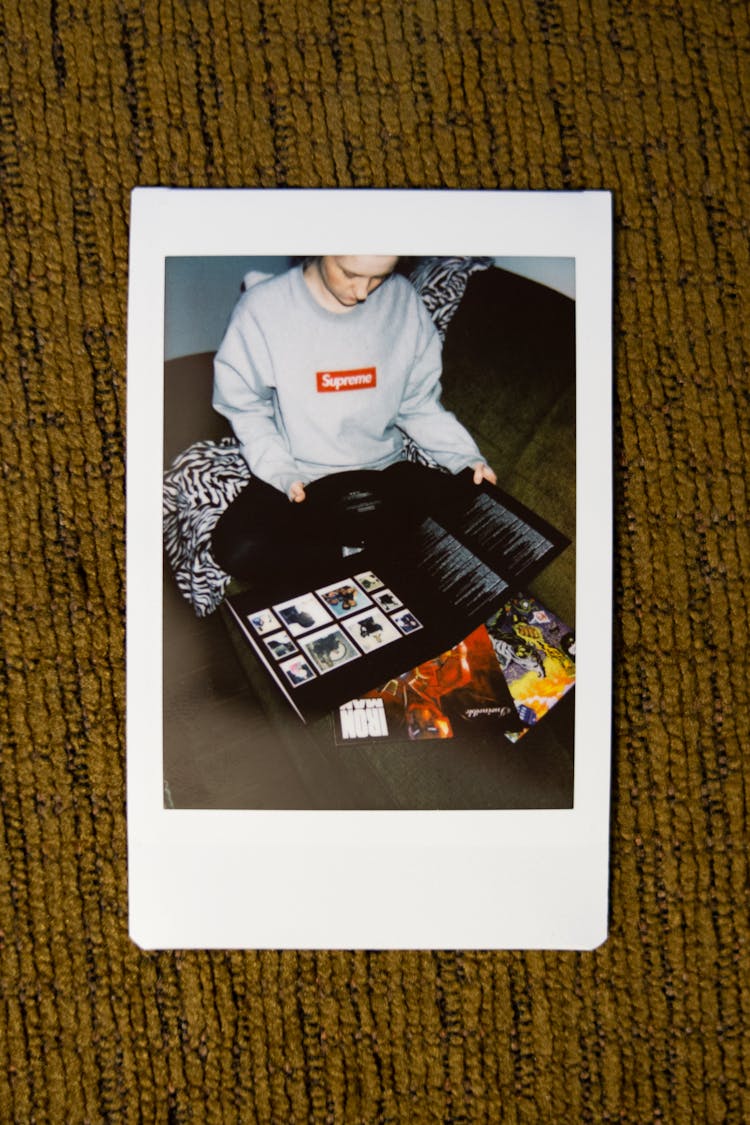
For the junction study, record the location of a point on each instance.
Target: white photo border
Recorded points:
(460, 879)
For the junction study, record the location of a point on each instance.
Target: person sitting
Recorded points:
(322, 371)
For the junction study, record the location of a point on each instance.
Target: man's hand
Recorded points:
(483, 472)
(297, 492)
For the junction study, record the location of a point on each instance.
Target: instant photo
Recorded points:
(280, 645)
(330, 649)
(387, 600)
(406, 621)
(377, 713)
(371, 630)
(368, 580)
(297, 671)
(343, 598)
(263, 622)
(302, 613)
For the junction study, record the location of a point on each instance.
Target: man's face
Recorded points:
(350, 279)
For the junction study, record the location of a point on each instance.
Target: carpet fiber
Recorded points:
(649, 100)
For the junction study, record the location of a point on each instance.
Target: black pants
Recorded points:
(263, 534)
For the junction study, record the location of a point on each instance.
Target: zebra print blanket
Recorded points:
(198, 486)
(441, 283)
(203, 480)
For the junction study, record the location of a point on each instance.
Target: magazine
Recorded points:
(536, 651)
(457, 693)
(327, 638)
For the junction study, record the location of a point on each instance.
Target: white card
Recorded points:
(261, 876)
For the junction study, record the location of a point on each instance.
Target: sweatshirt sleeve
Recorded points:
(421, 415)
(244, 393)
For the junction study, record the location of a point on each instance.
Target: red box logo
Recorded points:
(360, 379)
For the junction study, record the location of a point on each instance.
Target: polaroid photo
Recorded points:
(301, 614)
(406, 621)
(371, 630)
(297, 671)
(263, 622)
(368, 581)
(343, 598)
(514, 291)
(387, 600)
(280, 645)
(328, 649)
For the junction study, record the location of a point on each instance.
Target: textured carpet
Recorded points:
(647, 99)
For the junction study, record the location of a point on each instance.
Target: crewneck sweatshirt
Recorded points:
(310, 392)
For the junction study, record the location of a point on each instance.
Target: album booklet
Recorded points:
(326, 638)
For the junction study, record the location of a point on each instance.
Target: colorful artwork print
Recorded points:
(456, 692)
(280, 645)
(406, 621)
(297, 671)
(263, 621)
(371, 630)
(302, 613)
(387, 600)
(368, 581)
(329, 648)
(344, 597)
(536, 652)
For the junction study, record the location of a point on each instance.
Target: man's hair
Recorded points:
(403, 265)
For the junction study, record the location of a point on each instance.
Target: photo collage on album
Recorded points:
(323, 629)
(343, 634)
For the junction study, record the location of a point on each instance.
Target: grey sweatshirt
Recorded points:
(310, 392)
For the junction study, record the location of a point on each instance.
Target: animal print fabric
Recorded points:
(441, 283)
(199, 485)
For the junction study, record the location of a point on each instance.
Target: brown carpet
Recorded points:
(649, 99)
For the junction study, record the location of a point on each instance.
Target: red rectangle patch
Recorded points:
(359, 379)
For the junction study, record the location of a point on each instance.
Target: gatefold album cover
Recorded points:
(369, 485)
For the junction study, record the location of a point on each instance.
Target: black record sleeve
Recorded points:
(447, 575)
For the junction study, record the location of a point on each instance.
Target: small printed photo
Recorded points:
(280, 645)
(263, 621)
(297, 671)
(368, 581)
(371, 629)
(343, 597)
(406, 621)
(329, 649)
(387, 600)
(302, 613)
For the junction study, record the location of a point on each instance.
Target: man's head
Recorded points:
(342, 281)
